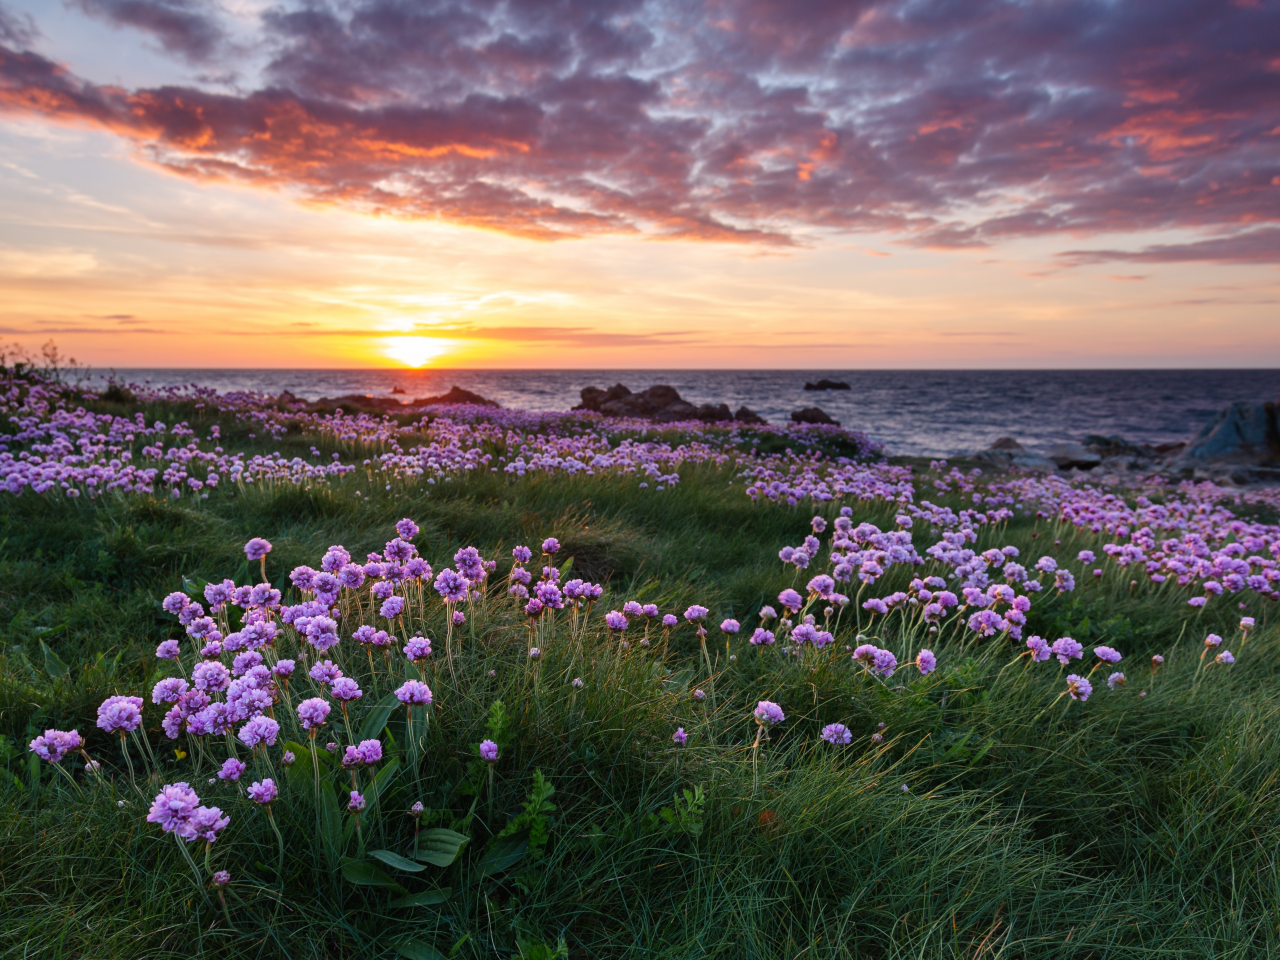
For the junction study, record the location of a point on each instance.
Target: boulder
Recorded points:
(357, 403)
(1068, 455)
(713, 412)
(825, 384)
(1244, 432)
(747, 415)
(680, 410)
(455, 395)
(812, 415)
(1009, 454)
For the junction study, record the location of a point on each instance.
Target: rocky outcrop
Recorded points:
(660, 403)
(1010, 454)
(813, 415)
(356, 403)
(825, 384)
(745, 414)
(455, 395)
(1069, 455)
(1242, 433)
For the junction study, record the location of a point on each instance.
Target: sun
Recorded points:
(413, 351)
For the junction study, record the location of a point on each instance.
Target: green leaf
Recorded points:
(52, 664)
(330, 824)
(504, 856)
(417, 950)
(428, 898)
(373, 724)
(397, 861)
(362, 873)
(440, 846)
(565, 568)
(382, 779)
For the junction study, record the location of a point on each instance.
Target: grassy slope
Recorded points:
(1129, 827)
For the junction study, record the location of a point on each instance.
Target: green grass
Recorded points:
(1130, 826)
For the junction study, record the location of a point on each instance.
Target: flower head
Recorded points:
(168, 690)
(1078, 687)
(257, 548)
(1040, 649)
(488, 751)
(168, 650)
(210, 675)
(53, 744)
(1247, 623)
(1116, 679)
(550, 545)
(1212, 641)
(173, 807)
(695, 613)
(260, 729)
(1225, 657)
(730, 626)
(357, 802)
(926, 662)
(670, 620)
(790, 600)
(767, 713)
(615, 620)
(346, 689)
(1066, 650)
(121, 713)
(417, 648)
(414, 692)
(761, 636)
(837, 733)
(406, 529)
(231, 769)
(312, 713)
(1107, 654)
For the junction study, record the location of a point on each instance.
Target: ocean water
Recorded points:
(913, 412)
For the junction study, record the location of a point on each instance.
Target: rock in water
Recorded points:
(1009, 453)
(455, 395)
(747, 415)
(1243, 431)
(1006, 443)
(825, 384)
(1068, 455)
(813, 415)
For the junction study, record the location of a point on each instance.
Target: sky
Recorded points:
(832, 184)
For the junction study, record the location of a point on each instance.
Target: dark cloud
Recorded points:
(187, 28)
(17, 29)
(949, 124)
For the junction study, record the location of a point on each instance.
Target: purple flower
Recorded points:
(679, 737)
(1212, 640)
(53, 744)
(1197, 601)
(1157, 660)
(650, 610)
(417, 648)
(392, 607)
(614, 620)
(550, 545)
(120, 713)
(822, 585)
(325, 672)
(1107, 654)
(263, 792)
(173, 807)
(284, 668)
(730, 626)
(1086, 556)
(522, 554)
(632, 609)
(576, 683)
(699, 695)
(837, 733)
(168, 690)
(1225, 657)
(221, 878)
(459, 618)
(1040, 649)
(926, 662)
(231, 769)
(1114, 679)
(1078, 687)
(357, 802)
(533, 607)
(168, 650)
(407, 529)
(257, 548)
(488, 751)
(211, 676)
(205, 824)
(535, 653)
(670, 620)
(695, 613)
(767, 713)
(312, 712)
(370, 751)
(875, 605)
(865, 654)
(885, 662)
(175, 602)
(804, 633)
(1066, 650)
(244, 662)
(451, 586)
(790, 599)
(346, 689)
(762, 636)
(260, 729)
(768, 613)
(414, 691)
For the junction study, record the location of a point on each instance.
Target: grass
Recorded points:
(1131, 826)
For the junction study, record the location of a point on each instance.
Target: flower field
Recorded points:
(466, 682)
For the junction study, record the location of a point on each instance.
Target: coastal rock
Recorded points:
(812, 415)
(679, 410)
(660, 403)
(455, 395)
(1008, 453)
(747, 415)
(825, 384)
(1068, 455)
(713, 412)
(356, 403)
(1245, 432)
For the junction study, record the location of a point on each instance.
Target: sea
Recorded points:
(935, 413)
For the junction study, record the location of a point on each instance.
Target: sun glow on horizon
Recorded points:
(414, 351)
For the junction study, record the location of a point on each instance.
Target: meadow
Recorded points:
(484, 684)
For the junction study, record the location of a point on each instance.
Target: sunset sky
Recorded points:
(626, 183)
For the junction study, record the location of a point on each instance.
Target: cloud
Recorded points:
(181, 27)
(948, 125)
(17, 29)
